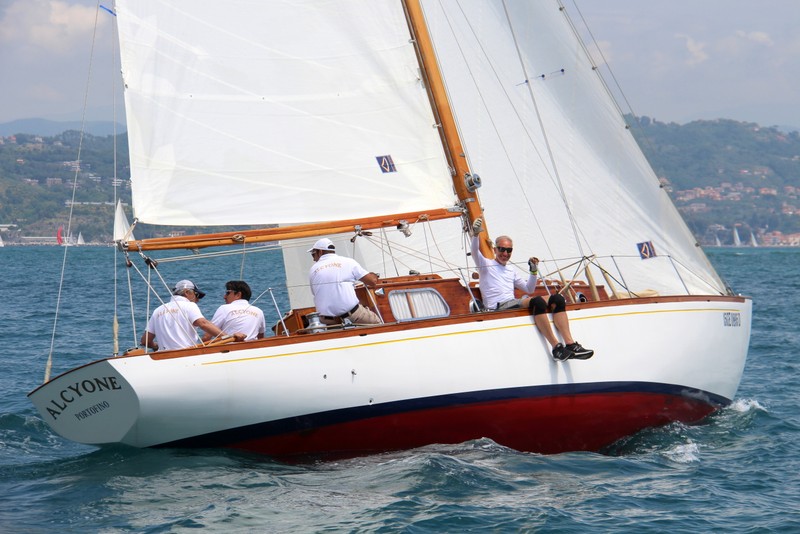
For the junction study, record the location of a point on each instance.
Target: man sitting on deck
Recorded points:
(497, 282)
(173, 323)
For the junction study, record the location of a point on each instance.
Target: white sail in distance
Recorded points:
(122, 228)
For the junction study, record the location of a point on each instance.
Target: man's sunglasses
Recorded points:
(505, 249)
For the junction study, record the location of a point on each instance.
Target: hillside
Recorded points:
(721, 174)
(724, 174)
(36, 177)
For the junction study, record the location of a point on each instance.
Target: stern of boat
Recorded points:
(92, 404)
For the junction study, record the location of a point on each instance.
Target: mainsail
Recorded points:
(308, 125)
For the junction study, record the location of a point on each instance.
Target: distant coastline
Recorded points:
(48, 128)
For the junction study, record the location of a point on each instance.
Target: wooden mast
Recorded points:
(444, 115)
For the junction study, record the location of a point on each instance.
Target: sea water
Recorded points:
(738, 472)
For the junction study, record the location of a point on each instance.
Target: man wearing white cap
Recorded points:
(332, 277)
(173, 323)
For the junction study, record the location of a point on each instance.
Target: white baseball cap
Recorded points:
(323, 244)
(183, 285)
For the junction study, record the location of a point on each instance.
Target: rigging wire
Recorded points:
(115, 319)
(131, 303)
(49, 364)
(557, 177)
(490, 116)
(581, 238)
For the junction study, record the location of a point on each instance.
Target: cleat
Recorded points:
(562, 353)
(579, 352)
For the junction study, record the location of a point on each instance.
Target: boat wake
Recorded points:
(683, 443)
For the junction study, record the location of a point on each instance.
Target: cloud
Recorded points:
(46, 57)
(35, 28)
(756, 37)
(740, 43)
(696, 49)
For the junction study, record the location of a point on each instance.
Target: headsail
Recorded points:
(561, 171)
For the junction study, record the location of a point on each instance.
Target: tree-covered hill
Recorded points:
(724, 174)
(706, 153)
(36, 178)
(721, 174)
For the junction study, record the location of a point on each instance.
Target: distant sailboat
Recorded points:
(736, 241)
(80, 240)
(753, 242)
(122, 229)
(717, 242)
(59, 239)
(1, 242)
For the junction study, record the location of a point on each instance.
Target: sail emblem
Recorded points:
(646, 250)
(386, 163)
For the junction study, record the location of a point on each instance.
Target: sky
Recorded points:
(675, 60)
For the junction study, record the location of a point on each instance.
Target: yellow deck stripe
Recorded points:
(377, 343)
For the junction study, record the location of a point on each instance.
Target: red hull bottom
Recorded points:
(546, 425)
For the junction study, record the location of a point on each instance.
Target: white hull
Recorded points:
(392, 387)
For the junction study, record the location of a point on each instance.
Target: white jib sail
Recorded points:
(561, 172)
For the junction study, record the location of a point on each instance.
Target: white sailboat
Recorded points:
(753, 240)
(737, 242)
(366, 122)
(2, 244)
(80, 240)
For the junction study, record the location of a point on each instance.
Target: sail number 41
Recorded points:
(731, 319)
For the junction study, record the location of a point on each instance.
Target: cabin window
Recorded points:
(416, 304)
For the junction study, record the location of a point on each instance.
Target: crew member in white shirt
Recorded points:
(332, 278)
(172, 325)
(237, 314)
(498, 279)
